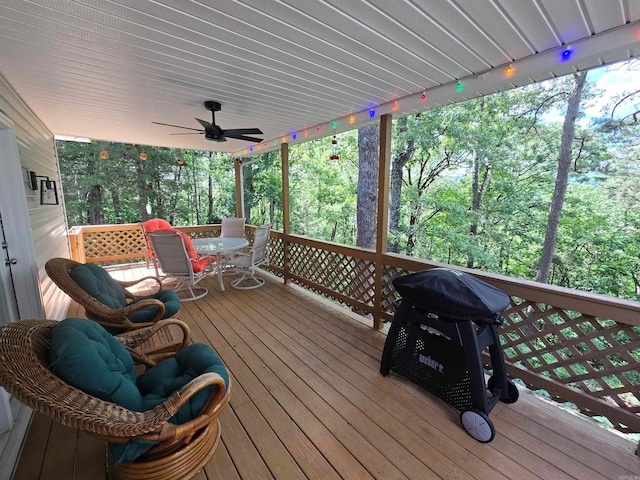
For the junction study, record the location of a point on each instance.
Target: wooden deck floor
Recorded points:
(309, 402)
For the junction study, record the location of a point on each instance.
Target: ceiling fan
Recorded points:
(213, 132)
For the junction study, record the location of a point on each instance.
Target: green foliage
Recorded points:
(477, 182)
(119, 188)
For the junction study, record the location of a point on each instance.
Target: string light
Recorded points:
(275, 142)
(352, 119)
(372, 113)
(284, 139)
(394, 106)
(294, 136)
(459, 86)
(334, 124)
(306, 133)
(424, 97)
(509, 70)
(566, 53)
(318, 128)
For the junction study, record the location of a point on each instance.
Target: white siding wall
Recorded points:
(36, 149)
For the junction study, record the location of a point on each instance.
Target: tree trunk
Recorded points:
(95, 213)
(174, 201)
(196, 197)
(249, 191)
(562, 177)
(368, 147)
(395, 187)
(477, 189)
(117, 207)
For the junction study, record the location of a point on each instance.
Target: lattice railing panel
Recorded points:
(276, 255)
(596, 355)
(113, 244)
(337, 272)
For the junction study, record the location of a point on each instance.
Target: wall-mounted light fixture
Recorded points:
(48, 188)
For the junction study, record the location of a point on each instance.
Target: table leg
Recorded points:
(221, 262)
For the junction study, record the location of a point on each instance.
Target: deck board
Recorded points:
(308, 401)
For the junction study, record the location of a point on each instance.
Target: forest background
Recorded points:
(520, 183)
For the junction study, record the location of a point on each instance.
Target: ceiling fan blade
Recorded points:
(242, 131)
(204, 123)
(190, 133)
(176, 126)
(242, 137)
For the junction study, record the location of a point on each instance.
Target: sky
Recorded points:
(613, 81)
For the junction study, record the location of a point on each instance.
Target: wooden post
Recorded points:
(286, 219)
(382, 224)
(237, 166)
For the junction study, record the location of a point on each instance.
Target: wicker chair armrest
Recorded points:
(132, 340)
(142, 337)
(130, 283)
(132, 307)
(209, 412)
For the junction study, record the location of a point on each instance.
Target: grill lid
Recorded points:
(451, 293)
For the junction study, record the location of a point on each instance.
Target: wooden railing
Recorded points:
(579, 347)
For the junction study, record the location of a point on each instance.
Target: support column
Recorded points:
(237, 166)
(382, 224)
(286, 219)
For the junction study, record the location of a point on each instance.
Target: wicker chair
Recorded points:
(139, 336)
(181, 450)
(59, 270)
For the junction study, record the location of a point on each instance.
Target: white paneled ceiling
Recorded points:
(107, 69)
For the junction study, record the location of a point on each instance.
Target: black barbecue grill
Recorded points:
(445, 320)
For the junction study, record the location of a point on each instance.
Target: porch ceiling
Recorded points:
(107, 69)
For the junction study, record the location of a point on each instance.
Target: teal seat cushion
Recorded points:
(160, 382)
(97, 282)
(86, 356)
(145, 314)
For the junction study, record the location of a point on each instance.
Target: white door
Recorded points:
(8, 313)
(19, 289)
(8, 303)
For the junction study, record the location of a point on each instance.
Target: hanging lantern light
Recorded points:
(180, 161)
(334, 149)
(104, 154)
(143, 156)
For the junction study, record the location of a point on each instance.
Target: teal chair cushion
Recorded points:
(145, 314)
(86, 356)
(158, 383)
(97, 282)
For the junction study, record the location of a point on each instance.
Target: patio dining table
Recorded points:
(221, 247)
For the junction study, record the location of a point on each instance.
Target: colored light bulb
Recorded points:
(334, 124)
(372, 113)
(352, 119)
(459, 86)
(394, 106)
(424, 97)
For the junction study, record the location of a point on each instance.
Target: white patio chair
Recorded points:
(232, 227)
(247, 262)
(178, 259)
